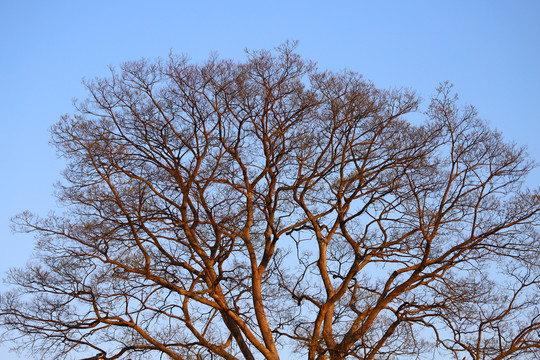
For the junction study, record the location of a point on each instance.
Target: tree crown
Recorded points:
(240, 210)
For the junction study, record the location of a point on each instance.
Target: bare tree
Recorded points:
(246, 210)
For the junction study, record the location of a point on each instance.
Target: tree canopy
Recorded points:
(266, 209)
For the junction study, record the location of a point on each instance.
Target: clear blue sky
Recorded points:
(490, 50)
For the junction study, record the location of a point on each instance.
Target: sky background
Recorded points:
(490, 50)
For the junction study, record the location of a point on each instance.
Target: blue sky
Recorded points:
(490, 50)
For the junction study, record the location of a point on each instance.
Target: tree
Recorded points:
(242, 210)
